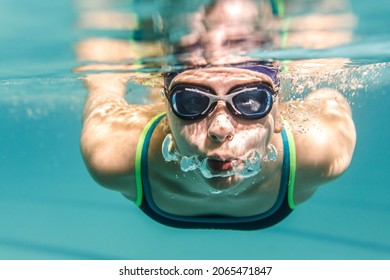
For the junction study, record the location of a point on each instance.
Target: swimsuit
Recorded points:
(281, 209)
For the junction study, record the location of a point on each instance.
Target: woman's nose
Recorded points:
(221, 128)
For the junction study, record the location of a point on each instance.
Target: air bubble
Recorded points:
(245, 168)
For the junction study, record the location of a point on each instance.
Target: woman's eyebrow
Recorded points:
(249, 84)
(186, 84)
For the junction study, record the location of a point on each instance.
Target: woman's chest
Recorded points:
(188, 194)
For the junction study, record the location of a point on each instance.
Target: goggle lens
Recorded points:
(253, 104)
(188, 104)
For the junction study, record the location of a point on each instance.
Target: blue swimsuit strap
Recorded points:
(145, 201)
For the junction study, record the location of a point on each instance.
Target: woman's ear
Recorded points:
(278, 118)
(166, 127)
(278, 123)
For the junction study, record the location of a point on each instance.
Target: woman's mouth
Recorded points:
(220, 165)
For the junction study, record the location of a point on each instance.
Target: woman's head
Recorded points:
(223, 116)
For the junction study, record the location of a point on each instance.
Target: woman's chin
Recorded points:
(224, 183)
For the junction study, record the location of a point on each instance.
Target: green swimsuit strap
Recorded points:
(277, 7)
(293, 164)
(138, 155)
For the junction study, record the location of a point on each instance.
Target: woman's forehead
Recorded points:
(225, 75)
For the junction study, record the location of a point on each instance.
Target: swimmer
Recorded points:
(221, 150)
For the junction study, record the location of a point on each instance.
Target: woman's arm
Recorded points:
(111, 128)
(325, 139)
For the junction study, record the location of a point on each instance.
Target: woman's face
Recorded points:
(221, 137)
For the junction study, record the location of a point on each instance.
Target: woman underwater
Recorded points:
(220, 150)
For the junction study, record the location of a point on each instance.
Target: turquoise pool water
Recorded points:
(50, 208)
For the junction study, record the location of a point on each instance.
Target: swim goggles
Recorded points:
(192, 102)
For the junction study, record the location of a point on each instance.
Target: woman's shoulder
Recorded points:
(324, 135)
